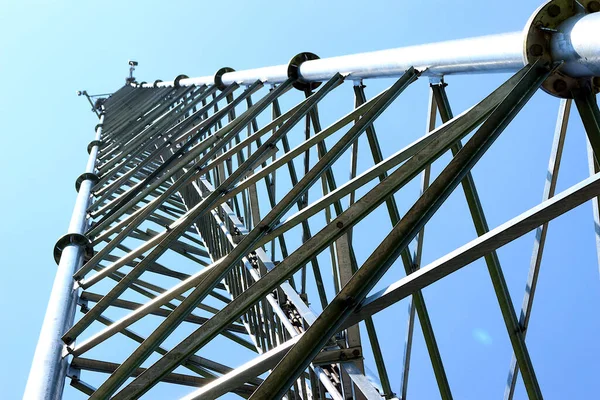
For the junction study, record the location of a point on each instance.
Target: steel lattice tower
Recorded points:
(205, 169)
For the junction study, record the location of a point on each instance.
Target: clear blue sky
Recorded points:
(50, 49)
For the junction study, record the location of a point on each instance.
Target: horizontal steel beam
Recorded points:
(578, 45)
(178, 379)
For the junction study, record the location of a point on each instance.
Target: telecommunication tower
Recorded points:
(209, 212)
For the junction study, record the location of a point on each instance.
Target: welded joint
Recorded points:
(73, 239)
(84, 177)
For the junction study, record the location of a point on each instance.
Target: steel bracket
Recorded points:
(329, 357)
(73, 373)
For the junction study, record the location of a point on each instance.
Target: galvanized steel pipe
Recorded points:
(49, 367)
(577, 43)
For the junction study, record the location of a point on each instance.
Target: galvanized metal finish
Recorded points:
(577, 45)
(49, 367)
(208, 216)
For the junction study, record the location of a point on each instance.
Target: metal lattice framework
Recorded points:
(194, 211)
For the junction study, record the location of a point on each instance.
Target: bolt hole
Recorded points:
(554, 11)
(560, 85)
(536, 50)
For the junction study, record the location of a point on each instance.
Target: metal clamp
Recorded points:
(218, 79)
(141, 84)
(156, 82)
(73, 238)
(92, 144)
(179, 78)
(98, 126)
(86, 176)
(293, 71)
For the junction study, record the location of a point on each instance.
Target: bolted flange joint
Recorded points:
(86, 176)
(293, 72)
(76, 239)
(547, 34)
(178, 78)
(92, 144)
(218, 79)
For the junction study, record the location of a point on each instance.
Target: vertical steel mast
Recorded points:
(49, 368)
(210, 215)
